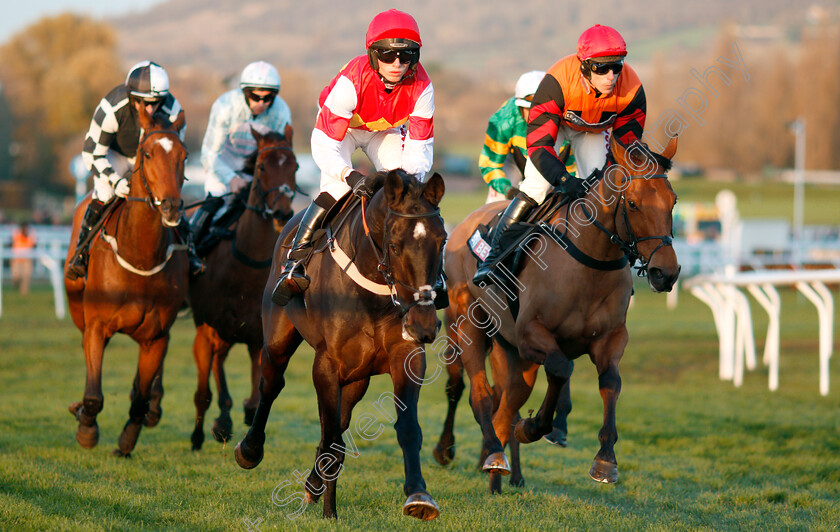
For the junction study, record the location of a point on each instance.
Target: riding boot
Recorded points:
(197, 265)
(203, 217)
(78, 267)
(292, 280)
(515, 211)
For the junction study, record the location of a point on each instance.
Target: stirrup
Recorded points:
(289, 285)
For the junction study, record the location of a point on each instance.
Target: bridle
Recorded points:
(423, 295)
(266, 209)
(630, 245)
(150, 198)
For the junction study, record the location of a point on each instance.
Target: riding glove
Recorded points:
(359, 184)
(121, 187)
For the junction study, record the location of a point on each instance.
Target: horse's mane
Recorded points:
(411, 185)
(251, 160)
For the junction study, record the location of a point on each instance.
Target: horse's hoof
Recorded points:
(524, 431)
(249, 415)
(152, 417)
(310, 498)
(88, 437)
(246, 457)
(444, 456)
(128, 437)
(422, 506)
(222, 429)
(197, 439)
(517, 481)
(495, 483)
(119, 454)
(606, 472)
(497, 463)
(557, 437)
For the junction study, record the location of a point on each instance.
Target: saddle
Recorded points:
(220, 226)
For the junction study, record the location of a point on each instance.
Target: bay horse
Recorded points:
(136, 279)
(226, 300)
(572, 293)
(364, 316)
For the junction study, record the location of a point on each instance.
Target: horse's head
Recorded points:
(159, 167)
(645, 211)
(273, 188)
(412, 247)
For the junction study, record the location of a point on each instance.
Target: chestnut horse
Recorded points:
(226, 300)
(136, 279)
(573, 291)
(364, 316)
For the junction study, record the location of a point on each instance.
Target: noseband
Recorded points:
(150, 198)
(267, 210)
(423, 295)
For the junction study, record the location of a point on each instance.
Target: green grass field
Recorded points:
(694, 452)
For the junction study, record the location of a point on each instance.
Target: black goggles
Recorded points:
(153, 102)
(268, 98)
(408, 56)
(602, 68)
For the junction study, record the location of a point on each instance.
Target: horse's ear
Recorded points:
(617, 149)
(143, 117)
(256, 134)
(180, 122)
(393, 187)
(670, 149)
(433, 189)
(288, 132)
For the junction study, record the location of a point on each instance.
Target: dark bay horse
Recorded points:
(567, 306)
(227, 299)
(364, 316)
(136, 280)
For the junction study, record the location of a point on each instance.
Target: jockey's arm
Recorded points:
(100, 136)
(629, 125)
(418, 153)
(330, 129)
(218, 128)
(496, 147)
(543, 126)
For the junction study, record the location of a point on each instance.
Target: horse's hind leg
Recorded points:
(444, 451)
(250, 404)
(284, 340)
(150, 361)
(86, 410)
(223, 425)
(351, 394)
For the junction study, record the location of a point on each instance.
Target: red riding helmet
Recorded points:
(600, 41)
(392, 24)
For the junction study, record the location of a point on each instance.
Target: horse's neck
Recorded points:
(360, 247)
(253, 231)
(140, 232)
(586, 235)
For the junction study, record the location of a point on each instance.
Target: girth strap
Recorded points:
(348, 267)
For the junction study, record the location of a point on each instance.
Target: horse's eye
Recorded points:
(632, 205)
(147, 155)
(394, 250)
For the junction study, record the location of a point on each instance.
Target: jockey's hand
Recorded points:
(573, 187)
(237, 184)
(500, 185)
(121, 188)
(359, 184)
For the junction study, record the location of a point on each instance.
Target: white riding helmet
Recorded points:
(527, 86)
(147, 79)
(260, 75)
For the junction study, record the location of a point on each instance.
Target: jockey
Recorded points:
(581, 98)
(506, 135)
(382, 102)
(228, 141)
(111, 146)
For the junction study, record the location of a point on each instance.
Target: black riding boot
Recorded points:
(203, 217)
(185, 234)
(78, 268)
(292, 280)
(515, 211)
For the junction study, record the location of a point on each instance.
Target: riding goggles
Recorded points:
(602, 68)
(268, 98)
(408, 56)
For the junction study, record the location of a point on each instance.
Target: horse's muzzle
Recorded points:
(421, 324)
(170, 212)
(663, 279)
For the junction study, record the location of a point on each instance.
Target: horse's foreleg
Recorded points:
(203, 355)
(330, 454)
(85, 411)
(559, 431)
(419, 503)
(222, 425)
(351, 394)
(444, 451)
(284, 339)
(250, 404)
(148, 366)
(156, 396)
(606, 356)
